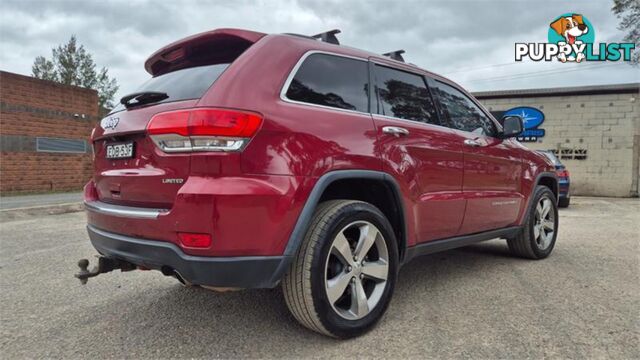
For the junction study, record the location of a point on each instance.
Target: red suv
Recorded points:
(251, 160)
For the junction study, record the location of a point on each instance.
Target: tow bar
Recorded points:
(105, 265)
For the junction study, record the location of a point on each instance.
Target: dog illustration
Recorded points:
(570, 28)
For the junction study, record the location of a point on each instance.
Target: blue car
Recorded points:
(563, 179)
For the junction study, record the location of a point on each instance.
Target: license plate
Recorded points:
(120, 151)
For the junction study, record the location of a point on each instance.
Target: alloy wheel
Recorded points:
(544, 226)
(356, 270)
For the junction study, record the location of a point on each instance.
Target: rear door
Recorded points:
(129, 168)
(492, 166)
(415, 147)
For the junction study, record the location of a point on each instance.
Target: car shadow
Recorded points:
(206, 323)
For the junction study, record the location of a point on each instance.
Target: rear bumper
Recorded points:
(250, 215)
(238, 272)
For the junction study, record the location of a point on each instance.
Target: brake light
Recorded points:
(203, 129)
(194, 240)
(173, 55)
(90, 192)
(562, 173)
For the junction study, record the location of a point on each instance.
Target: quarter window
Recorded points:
(463, 113)
(333, 81)
(404, 95)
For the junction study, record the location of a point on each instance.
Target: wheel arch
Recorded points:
(547, 179)
(333, 185)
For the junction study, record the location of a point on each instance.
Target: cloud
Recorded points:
(461, 39)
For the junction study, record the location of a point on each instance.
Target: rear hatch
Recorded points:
(129, 169)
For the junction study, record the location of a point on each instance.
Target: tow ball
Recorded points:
(105, 265)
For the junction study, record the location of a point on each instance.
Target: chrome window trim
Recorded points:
(294, 71)
(414, 122)
(123, 211)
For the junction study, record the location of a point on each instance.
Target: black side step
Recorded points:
(458, 241)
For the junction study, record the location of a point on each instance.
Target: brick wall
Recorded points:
(605, 124)
(32, 108)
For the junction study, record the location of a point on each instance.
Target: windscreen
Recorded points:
(184, 84)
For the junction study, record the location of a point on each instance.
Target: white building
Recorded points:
(595, 130)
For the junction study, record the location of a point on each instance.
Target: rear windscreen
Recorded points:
(184, 84)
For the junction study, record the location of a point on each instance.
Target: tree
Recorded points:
(71, 64)
(44, 69)
(628, 11)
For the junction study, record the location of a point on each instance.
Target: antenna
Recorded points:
(328, 36)
(395, 55)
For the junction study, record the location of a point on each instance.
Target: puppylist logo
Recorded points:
(571, 38)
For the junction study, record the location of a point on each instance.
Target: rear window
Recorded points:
(333, 81)
(404, 95)
(184, 84)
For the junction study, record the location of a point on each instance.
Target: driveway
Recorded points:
(474, 302)
(38, 200)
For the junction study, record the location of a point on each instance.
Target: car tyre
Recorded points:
(538, 236)
(312, 287)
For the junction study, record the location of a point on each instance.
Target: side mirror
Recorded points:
(512, 126)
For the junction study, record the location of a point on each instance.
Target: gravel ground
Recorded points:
(474, 302)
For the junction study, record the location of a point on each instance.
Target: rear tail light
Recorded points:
(203, 129)
(562, 173)
(90, 192)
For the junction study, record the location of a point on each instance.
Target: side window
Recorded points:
(464, 114)
(404, 95)
(333, 81)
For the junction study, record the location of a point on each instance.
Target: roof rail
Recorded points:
(300, 35)
(395, 55)
(328, 36)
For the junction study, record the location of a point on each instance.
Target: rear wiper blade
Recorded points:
(143, 97)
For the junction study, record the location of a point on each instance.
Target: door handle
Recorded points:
(395, 130)
(472, 143)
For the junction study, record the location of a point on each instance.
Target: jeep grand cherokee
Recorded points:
(251, 161)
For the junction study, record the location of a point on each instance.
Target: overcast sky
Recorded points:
(472, 42)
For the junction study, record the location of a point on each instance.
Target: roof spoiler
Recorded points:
(395, 55)
(211, 47)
